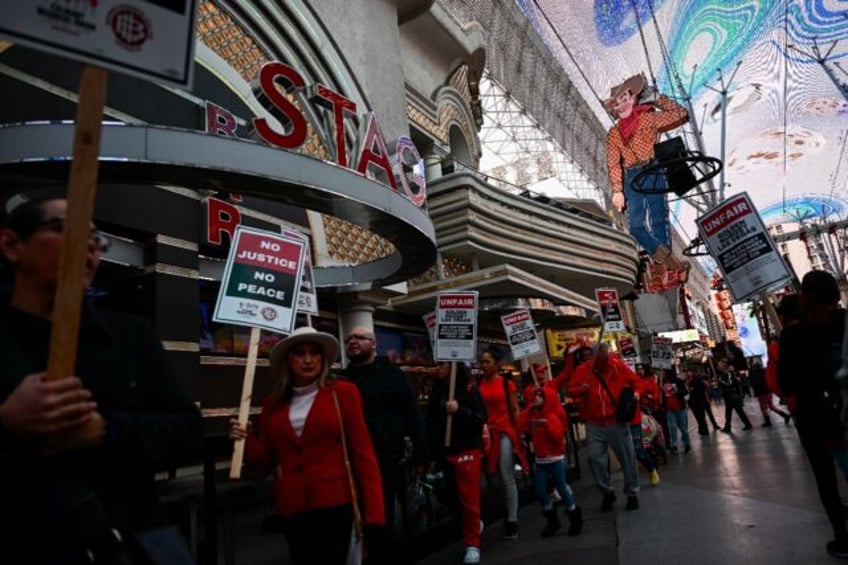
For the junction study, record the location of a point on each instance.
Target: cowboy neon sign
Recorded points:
(289, 129)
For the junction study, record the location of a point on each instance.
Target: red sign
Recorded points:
(456, 301)
(726, 214)
(516, 318)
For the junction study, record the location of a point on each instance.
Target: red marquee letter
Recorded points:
(379, 157)
(221, 218)
(282, 108)
(219, 121)
(339, 105)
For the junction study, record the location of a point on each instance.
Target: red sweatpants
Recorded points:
(467, 466)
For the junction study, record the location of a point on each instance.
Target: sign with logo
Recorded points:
(153, 39)
(261, 281)
(521, 334)
(430, 324)
(307, 298)
(456, 326)
(610, 310)
(662, 352)
(737, 239)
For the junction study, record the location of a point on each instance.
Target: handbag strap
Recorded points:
(357, 516)
(606, 387)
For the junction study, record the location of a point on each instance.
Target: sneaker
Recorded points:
(632, 502)
(748, 427)
(607, 502)
(838, 548)
(655, 478)
(726, 431)
(673, 450)
(472, 555)
(688, 449)
(766, 424)
(510, 530)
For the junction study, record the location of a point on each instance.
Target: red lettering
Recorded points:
(282, 108)
(340, 106)
(374, 152)
(221, 218)
(219, 121)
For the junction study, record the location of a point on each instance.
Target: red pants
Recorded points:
(467, 466)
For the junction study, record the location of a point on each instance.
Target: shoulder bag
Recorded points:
(357, 515)
(625, 405)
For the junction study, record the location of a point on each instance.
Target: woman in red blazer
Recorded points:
(300, 441)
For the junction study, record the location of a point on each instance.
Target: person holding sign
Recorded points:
(502, 409)
(78, 454)
(463, 454)
(327, 482)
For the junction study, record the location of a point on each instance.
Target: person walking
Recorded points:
(675, 394)
(731, 392)
(499, 394)
(320, 454)
(598, 384)
(545, 419)
(699, 401)
(764, 396)
(392, 414)
(79, 454)
(462, 459)
(807, 367)
(649, 400)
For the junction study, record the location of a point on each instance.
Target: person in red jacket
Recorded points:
(307, 441)
(788, 311)
(599, 384)
(545, 420)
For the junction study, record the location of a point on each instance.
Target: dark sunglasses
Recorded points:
(100, 240)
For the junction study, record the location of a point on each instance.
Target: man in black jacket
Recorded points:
(731, 392)
(810, 354)
(78, 454)
(391, 412)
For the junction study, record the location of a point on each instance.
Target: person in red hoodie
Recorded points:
(317, 452)
(598, 383)
(545, 420)
(789, 314)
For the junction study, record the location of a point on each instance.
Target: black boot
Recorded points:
(575, 521)
(553, 525)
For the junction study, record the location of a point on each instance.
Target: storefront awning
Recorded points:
(503, 288)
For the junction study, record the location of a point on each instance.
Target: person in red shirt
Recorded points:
(499, 394)
(788, 313)
(674, 394)
(598, 383)
(306, 441)
(545, 420)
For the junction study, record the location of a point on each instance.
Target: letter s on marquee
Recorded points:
(282, 108)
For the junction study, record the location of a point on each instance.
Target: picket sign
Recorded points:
(82, 186)
(244, 405)
(451, 394)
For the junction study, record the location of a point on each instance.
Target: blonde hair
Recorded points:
(284, 385)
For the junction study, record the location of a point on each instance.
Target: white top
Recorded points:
(301, 403)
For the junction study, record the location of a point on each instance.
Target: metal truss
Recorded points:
(522, 152)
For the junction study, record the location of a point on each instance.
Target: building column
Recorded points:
(432, 166)
(353, 311)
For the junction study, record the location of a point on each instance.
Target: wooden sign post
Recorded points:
(82, 186)
(246, 396)
(451, 394)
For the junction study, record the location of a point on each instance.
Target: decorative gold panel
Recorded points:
(228, 40)
(354, 244)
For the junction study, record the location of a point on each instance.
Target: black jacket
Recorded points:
(391, 411)
(467, 426)
(698, 392)
(757, 378)
(809, 357)
(731, 388)
(152, 425)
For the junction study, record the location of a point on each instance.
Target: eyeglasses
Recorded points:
(100, 240)
(357, 337)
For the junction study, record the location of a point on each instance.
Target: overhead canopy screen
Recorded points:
(782, 64)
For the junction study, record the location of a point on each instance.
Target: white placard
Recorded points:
(521, 334)
(610, 310)
(307, 298)
(662, 352)
(153, 39)
(737, 239)
(456, 326)
(261, 281)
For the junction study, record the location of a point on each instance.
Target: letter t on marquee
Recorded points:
(339, 105)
